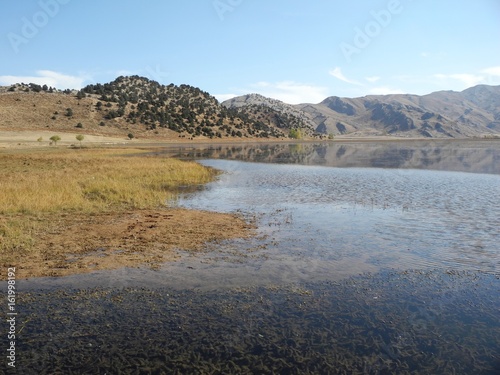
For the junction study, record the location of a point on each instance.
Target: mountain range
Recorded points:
(146, 108)
(474, 112)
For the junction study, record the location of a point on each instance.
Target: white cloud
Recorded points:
(373, 79)
(493, 71)
(292, 92)
(287, 91)
(468, 80)
(49, 78)
(337, 73)
(262, 84)
(124, 72)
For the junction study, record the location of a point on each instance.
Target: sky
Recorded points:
(291, 50)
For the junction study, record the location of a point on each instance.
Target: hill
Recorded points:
(272, 111)
(474, 112)
(132, 105)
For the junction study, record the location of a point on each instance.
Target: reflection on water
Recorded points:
(464, 156)
(323, 221)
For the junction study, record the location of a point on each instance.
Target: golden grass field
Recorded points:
(91, 180)
(50, 194)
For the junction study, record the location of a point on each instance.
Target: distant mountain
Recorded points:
(470, 113)
(474, 112)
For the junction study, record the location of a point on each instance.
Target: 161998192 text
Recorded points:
(11, 316)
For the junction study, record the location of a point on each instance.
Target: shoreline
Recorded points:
(111, 212)
(20, 139)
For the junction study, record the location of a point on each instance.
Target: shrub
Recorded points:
(80, 138)
(55, 139)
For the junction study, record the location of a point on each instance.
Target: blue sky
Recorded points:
(292, 50)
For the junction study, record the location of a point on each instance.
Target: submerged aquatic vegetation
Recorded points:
(391, 323)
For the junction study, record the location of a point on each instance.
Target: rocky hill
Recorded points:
(474, 112)
(272, 111)
(133, 105)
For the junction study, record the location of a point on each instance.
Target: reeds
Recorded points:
(92, 181)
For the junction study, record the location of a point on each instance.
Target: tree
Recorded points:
(295, 134)
(69, 112)
(55, 139)
(80, 138)
(80, 95)
(130, 135)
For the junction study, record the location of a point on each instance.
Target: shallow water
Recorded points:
(324, 222)
(379, 217)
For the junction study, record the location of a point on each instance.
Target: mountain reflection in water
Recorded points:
(460, 156)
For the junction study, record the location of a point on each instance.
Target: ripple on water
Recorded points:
(396, 217)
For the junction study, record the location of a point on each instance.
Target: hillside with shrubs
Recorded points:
(139, 106)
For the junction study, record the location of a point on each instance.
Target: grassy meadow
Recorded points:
(36, 185)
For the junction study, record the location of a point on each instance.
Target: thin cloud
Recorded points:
(287, 91)
(493, 71)
(373, 79)
(337, 73)
(292, 92)
(468, 80)
(49, 78)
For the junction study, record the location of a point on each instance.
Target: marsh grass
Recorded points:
(85, 181)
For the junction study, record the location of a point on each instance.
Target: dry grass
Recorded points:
(91, 181)
(36, 185)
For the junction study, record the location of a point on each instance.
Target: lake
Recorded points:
(369, 257)
(331, 210)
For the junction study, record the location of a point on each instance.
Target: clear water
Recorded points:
(327, 219)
